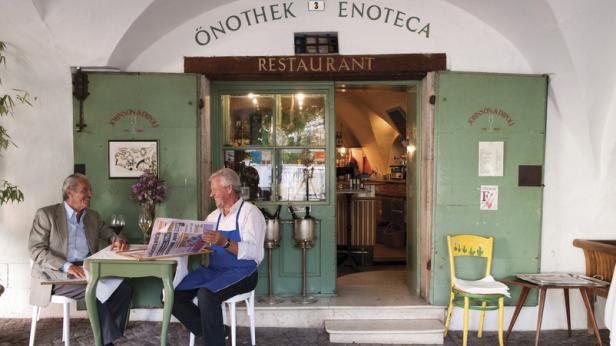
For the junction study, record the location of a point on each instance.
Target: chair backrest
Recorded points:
(472, 246)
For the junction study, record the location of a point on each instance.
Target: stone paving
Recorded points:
(145, 333)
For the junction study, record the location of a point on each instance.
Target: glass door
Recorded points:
(279, 138)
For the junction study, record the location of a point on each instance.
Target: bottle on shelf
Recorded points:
(292, 212)
(277, 214)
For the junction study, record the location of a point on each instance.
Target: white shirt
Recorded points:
(252, 229)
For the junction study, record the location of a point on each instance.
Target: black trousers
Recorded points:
(112, 314)
(206, 319)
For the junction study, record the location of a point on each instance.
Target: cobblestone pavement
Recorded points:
(49, 332)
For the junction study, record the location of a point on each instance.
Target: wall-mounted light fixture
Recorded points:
(410, 149)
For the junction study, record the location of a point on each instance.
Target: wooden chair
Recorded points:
(484, 294)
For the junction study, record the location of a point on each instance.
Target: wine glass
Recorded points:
(145, 222)
(120, 222)
(114, 223)
(117, 223)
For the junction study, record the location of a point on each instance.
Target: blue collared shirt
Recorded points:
(77, 242)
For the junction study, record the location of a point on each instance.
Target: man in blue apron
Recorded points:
(237, 244)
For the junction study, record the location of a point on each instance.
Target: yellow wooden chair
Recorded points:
(484, 294)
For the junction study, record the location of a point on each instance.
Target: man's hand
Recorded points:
(77, 271)
(119, 245)
(213, 237)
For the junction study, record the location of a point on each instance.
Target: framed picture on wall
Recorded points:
(131, 158)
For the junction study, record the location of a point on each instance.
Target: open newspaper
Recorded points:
(563, 279)
(174, 237)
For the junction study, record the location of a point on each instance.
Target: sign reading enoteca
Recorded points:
(402, 19)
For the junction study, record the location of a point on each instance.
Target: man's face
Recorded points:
(79, 197)
(221, 194)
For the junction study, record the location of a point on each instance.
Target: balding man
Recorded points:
(62, 236)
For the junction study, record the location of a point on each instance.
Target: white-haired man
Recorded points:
(237, 244)
(62, 236)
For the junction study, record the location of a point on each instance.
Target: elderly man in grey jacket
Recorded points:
(62, 236)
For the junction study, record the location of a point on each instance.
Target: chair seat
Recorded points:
(485, 286)
(61, 299)
(249, 299)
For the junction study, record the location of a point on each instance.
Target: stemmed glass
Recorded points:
(117, 223)
(145, 223)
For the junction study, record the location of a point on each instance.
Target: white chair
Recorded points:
(249, 299)
(66, 326)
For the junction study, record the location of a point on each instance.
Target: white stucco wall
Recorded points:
(569, 40)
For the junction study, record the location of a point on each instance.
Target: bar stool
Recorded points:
(272, 241)
(249, 299)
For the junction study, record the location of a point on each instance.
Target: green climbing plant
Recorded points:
(9, 99)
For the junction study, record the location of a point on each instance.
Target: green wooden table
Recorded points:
(115, 265)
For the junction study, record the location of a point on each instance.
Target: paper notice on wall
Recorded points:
(489, 197)
(491, 156)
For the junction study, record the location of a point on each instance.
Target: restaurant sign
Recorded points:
(316, 67)
(315, 63)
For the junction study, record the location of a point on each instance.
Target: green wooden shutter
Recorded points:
(476, 107)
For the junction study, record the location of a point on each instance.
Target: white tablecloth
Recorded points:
(610, 311)
(107, 285)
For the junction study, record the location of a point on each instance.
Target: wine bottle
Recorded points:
(266, 214)
(292, 211)
(307, 215)
(277, 214)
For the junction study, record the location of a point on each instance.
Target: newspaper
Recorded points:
(561, 279)
(172, 238)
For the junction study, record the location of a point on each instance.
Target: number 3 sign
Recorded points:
(316, 5)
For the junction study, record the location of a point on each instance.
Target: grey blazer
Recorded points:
(48, 245)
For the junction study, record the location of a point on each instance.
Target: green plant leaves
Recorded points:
(10, 193)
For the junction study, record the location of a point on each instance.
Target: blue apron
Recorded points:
(224, 269)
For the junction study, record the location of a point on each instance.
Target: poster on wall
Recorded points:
(131, 158)
(491, 156)
(489, 197)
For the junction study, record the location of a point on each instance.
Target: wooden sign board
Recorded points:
(317, 67)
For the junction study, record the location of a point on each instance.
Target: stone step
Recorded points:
(386, 331)
(314, 316)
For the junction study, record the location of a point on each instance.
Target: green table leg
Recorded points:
(91, 303)
(168, 286)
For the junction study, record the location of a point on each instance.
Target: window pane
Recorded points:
(302, 175)
(255, 170)
(301, 120)
(247, 119)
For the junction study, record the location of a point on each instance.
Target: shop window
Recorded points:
(277, 144)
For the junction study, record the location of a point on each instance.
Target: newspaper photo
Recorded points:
(171, 237)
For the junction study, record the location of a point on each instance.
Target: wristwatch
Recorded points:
(227, 244)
